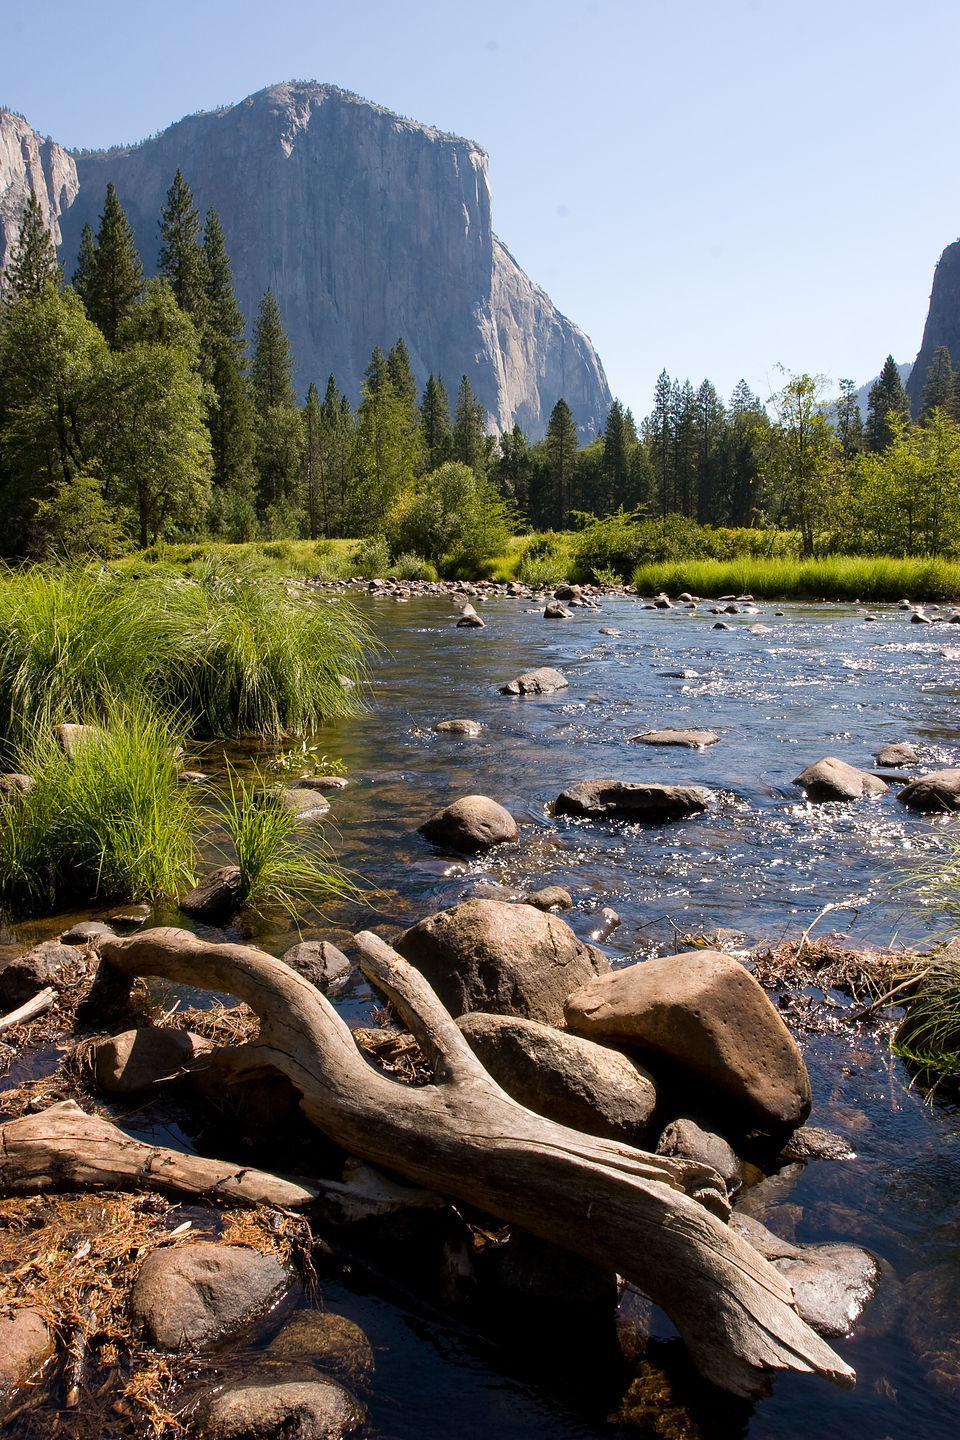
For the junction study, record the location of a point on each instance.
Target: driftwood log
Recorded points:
(463, 1136)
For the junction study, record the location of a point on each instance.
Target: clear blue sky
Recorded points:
(713, 186)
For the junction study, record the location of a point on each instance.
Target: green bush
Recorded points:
(371, 559)
(413, 567)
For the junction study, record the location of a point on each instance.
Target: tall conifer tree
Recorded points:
(114, 278)
(435, 422)
(887, 407)
(562, 446)
(32, 265)
(470, 430)
(181, 254)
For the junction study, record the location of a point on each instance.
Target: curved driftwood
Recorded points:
(465, 1137)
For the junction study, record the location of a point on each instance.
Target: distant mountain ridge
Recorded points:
(367, 227)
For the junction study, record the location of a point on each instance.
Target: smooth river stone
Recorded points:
(625, 800)
(833, 779)
(692, 739)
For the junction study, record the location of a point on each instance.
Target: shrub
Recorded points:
(371, 559)
(413, 567)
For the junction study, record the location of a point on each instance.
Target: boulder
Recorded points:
(140, 1059)
(564, 1077)
(705, 1014)
(304, 804)
(543, 681)
(85, 931)
(832, 779)
(901, 754)
(568, 592)
(331, 1342)
(692, 739)
(71, 737)
(469, 728)
(318, 961)
(811, 1143)
(25, 1342)
(551, 897)
(831, 1283)
(294, 1410)
(471, 824)
(685, 1138)
(935, 793)
(626, 800)
(919, 618)
(320, 782)
(33, 971)
(554, 610)
(191, 1294)
(14, 784)
(470, 620)
(501, 958)
(216, 897)
(610, 630)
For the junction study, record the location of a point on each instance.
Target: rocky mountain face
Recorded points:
(943, 321)
(367, 227)
(28, 162)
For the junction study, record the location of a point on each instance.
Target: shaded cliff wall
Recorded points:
(943, 322)
(367, 227)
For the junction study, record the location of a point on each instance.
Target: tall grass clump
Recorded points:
(281, 861)
(928, 1038)
(835, 577)
(108, 822)
(249, 656)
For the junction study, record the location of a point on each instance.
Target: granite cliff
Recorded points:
(366, 226)
(28, 162)
(943, 321)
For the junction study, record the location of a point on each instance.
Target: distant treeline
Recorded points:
(132, 411)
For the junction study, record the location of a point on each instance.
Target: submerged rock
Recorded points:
(502, 958)
(542, 681)
(832, 779)
(191, 1294)
(626, 800)
(564, 1077)
(900, 754)
(331, 1342)
(469, 728)
(295, 1410)
(692, 739)
(703, 1012)
(473, 823)
(831, 1283)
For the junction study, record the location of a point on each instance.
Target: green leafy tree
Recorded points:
(887, 407)
(157, 319)
(76, 522)
(113, 278)
(435, 422)
(800, 455)
(908, 495)
(32, 265)
(182, 259)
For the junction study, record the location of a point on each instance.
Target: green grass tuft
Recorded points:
(833, 577)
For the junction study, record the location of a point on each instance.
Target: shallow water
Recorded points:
(760, 862)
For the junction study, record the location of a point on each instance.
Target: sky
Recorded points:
(716, 188)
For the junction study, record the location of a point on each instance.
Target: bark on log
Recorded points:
(29, 1009)
(465, 1137)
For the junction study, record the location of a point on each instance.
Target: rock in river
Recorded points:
(626, 800)
(473, 823)
(469, 728)
(564, 1077)
(900, 754)
(704, 1012)
(832, 779)
(830, 1283)
(692, 739)
(543, 681)
(192, 1294)
(501, 958)
(937, 792)
(295, 1410)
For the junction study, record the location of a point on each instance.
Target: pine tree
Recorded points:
(223, 363)
(710, 427)
(272, 371)
(619, 442)
(388, 447)
(659, 430)
(937, 393)
(279, 427)
(114, 279)
(887, 407)
(401, 375)
(470, 430)
(849, 422)
(223, 318)
(435, 423)
(32, 265)
(86, 260)
(562, 446)
(181, 254)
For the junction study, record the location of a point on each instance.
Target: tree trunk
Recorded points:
(465, 1137)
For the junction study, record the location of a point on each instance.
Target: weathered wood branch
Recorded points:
(465, 1137)
(36, 1005)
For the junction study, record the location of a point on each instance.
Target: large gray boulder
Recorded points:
(542, 681)
(473, 823)
(501, 958)
(704, 1013)
(33, 971)
(564, 1077)
(934, 793)
(192, 1294)
(833, 779)
(628, 800)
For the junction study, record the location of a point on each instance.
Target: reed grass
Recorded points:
(282, 862)
(109, 822)
(231, 651)
(834, 577)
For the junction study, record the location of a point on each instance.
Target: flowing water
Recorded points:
(760, 862)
